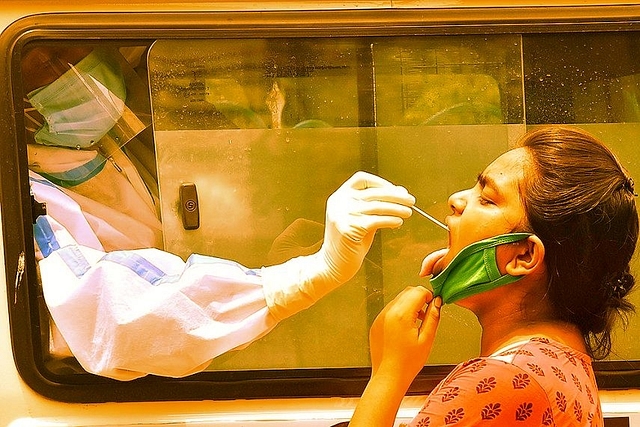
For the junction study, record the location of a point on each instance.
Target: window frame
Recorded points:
(91, 27)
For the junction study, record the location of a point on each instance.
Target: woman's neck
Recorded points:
(514, 320)
(495, 338)
(520, 311)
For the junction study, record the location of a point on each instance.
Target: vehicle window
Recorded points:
(229, 148)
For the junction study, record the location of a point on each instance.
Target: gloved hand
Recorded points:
(354, 212)
(362, 205)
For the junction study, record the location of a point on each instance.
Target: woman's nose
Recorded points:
(458, 201)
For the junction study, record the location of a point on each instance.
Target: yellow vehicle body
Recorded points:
(21, 406)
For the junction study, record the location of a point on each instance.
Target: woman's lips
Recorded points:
(432, 264)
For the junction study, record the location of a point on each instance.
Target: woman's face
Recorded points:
(491, 207)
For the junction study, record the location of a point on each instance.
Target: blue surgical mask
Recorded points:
(474, 269)
(82, 105)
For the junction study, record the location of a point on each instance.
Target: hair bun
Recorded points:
(629, 185)
(621, 285)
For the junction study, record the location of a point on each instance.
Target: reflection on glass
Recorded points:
(448, 81)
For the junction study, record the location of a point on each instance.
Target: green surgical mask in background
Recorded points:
(474, 269)
(82, 105)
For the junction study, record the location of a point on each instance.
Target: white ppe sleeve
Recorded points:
(126, 314)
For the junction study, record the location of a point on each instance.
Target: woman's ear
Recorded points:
(526, 257)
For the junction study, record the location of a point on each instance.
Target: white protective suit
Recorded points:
(128, 313)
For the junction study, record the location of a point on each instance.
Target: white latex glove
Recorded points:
(354, 212)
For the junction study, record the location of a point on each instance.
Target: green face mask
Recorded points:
(83, 104)
(474, 269)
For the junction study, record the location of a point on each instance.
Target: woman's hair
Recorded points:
(580, 202)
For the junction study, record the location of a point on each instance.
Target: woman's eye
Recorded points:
(485, 201)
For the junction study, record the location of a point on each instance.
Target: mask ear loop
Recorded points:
(31, 118)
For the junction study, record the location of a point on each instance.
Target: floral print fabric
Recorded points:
(534, 383)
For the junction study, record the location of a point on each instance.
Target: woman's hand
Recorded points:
(402, 335)
(401, 338)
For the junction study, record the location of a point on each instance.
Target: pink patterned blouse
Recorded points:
(538, 382)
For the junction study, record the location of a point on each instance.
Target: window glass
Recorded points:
(267, 129)
(264, 130)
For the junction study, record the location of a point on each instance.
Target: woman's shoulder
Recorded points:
(538, 380)
(539, 353)
(565, 374)
(489, 391)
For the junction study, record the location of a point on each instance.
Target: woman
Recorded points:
(567, 270)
